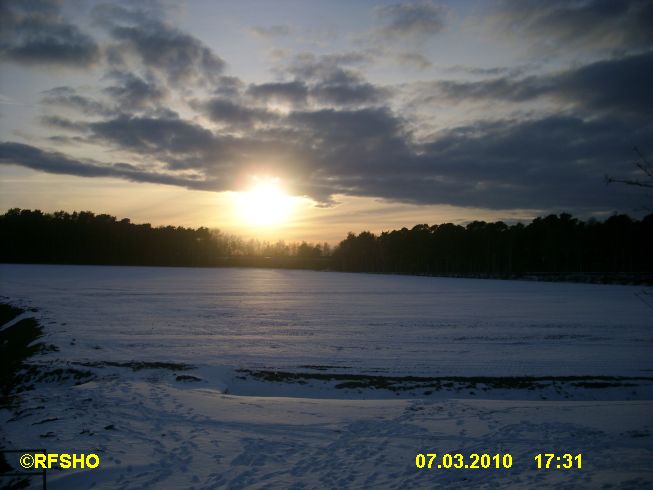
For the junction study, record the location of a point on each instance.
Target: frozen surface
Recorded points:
(225, 430)
(399, 325)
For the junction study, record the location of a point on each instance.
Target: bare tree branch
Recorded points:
(643, 165)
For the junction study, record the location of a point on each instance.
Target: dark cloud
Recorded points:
(618, 86)
(35, 32)
(181, 145)
(129, 94)
(154, 135)
(63, 123)
(58, 163)
(554, 162)
(68, 98)
(612, 86)
(168, 142)
(493, 71)
(422, 19)
(227, 86)
(499, 88)
(133, 91)
(160, 47)
(340, 136)
(346, 89)
(353, 143)
(232, 113)
(549, 163)
(561, 24)
(330, 82)
(60, 139)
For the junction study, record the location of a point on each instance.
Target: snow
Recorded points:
(229, 429)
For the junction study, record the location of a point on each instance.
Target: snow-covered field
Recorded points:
(251, 378)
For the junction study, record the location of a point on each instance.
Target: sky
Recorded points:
(361, 115)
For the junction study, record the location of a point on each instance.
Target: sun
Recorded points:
(265, 204)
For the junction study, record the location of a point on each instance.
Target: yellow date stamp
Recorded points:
(476, 461)
(461, 461)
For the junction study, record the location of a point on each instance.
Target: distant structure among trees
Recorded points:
(555, 247)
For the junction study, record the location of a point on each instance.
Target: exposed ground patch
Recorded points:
(18, 343)
(429, 385)
(137, 365)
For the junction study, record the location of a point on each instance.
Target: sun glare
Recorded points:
(265, 204)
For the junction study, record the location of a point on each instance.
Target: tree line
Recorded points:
(555, 244)
(86, 238)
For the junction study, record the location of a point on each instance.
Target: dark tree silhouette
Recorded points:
(554, 247)
(86, 238)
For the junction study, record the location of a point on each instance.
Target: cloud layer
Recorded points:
(35, 32)
(166, 103)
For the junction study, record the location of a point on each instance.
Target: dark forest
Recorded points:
(556, 246)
